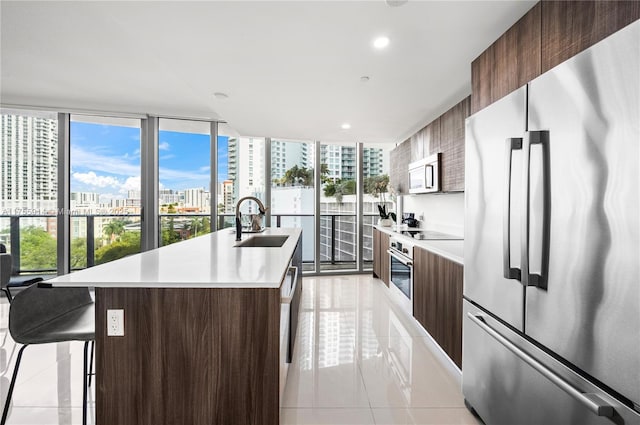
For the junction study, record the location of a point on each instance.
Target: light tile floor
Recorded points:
(358, 360)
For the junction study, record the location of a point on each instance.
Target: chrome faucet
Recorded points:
(261, 208)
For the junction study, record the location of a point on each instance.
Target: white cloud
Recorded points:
(132, 183)
(205, 168)
(93, 179)
(163, 146)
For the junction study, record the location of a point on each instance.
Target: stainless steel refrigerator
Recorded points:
(552, 245)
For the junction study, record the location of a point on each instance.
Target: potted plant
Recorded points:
(385, 217)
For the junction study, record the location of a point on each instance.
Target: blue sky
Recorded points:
(106, 159)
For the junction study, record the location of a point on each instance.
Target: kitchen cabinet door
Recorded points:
(452, 133)
(417, 146)
(516, 55)
(569, 27)
(481, 69)
(449, 293)
(437, 300)
(424, 291)
(431, 137)
(399, 159)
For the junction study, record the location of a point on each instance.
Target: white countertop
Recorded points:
(209, 261)
(450, 249)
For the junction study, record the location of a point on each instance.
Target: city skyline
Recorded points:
(105, 159)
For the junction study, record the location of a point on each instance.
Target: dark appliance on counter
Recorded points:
(409, 219)
(551, 304)
(401, 272)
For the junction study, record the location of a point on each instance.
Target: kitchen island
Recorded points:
(202, 331)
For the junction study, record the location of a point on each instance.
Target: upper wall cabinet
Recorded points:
(509, 63)
(452, 146)
(550, 33)
(399, 159)
(443, 135)
(569, 27)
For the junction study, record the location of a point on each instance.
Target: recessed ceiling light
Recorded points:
(346, 126)
(221, 96)
(364, 79)
(381, 42)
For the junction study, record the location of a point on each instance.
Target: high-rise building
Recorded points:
(169, 196)
(197, 198)
(341, 161)
(29, 162)
(84, 200)
(286, 154)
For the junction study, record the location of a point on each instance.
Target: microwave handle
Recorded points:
(428, 176)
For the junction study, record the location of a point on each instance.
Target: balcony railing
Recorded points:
(338, 237)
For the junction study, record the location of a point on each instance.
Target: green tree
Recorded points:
(78, 253)
(376, 185)
(114, 228)
(169, 234)
(38, 250)
(171, 209)
(297, 176)
(339, 188)
(128, 243)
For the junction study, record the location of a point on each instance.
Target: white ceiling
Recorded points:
(291, 69)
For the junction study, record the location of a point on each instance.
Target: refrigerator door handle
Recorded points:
(508, 271)
(591, 401)
(535, 138)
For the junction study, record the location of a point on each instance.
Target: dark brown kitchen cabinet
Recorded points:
(547, 35)
(399, 159)
(569, 27)
(437, 300)
(510, 62)
(452, 146)
(380, 256)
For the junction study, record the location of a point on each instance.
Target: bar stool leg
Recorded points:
(5, 412)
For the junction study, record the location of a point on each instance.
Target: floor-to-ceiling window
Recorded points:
(292, 191)
(28, 191)
(105, 196)
(105, 189)
(375, 173)
(338, 207)
(184, 170)
(241, 173)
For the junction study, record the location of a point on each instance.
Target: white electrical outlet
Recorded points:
(115, 322)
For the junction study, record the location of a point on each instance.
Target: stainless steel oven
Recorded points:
(401, 273)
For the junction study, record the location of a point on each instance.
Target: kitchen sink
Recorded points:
(270, 241)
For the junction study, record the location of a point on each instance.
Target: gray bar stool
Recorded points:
(41, 314)
(5, 277)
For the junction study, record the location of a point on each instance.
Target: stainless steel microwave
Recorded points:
(424, 175)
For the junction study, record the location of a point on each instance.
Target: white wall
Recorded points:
(442, 212)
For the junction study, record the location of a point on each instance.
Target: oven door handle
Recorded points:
(404, 261)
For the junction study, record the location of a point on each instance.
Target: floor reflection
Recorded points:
(358, 359)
